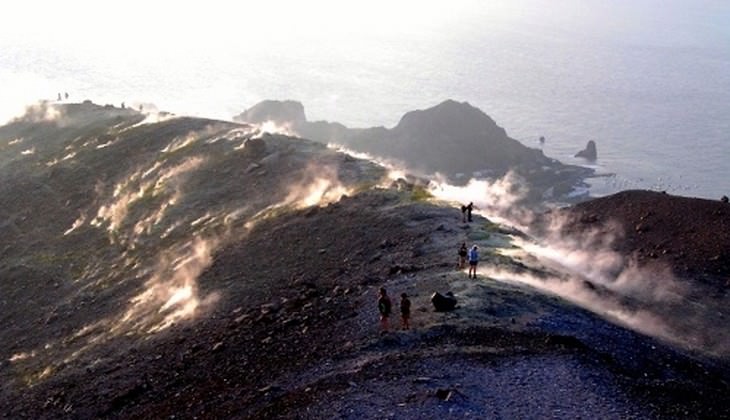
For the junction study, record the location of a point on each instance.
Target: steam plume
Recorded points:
(583, 268)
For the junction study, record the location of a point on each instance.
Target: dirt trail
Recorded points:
(492, 356)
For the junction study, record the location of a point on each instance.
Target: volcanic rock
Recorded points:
(590, 152)
(649, 225)
(443, 303)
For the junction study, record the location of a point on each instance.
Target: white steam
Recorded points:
(171, 293)
(272, 127)
(153, 117)
(319, 186)
(42, 112)
(578, 292)
(499, 200)
(583, 268)
(169, 296)
(394, 170)
(157, 182)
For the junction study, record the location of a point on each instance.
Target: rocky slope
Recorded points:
(690, 235)
(454, 139)
(202, 269)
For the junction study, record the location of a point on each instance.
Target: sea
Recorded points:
(647, 80)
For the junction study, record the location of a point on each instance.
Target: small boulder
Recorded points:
(445, 302)
(590, 152)
(254, 147)
(444, 394)
(724, 199)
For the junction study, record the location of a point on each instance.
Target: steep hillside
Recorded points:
(107, 220)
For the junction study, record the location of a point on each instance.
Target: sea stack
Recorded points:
(589, 152)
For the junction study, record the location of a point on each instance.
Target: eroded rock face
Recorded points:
(590, 152)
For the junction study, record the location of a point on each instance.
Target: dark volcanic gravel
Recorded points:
(690, 235)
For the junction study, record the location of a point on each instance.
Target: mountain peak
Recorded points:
(280, 112)
(447, 115)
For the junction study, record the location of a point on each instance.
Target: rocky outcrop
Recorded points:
(280, 112)
(454, 139)
(443, 303)
(691, 235)
(589, 153)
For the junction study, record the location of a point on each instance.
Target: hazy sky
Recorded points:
(50, 45)
(143, 27)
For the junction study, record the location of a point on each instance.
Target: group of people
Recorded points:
(471, 255)
(466, 212)
(385, 309)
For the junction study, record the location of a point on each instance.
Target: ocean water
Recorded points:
(648, 80)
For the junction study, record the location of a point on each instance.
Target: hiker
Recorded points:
(469, 208)
(66, 94)
(462, 256)
(59, 96)
(384, 309)
(463, 213)
(405, 311)
(473, 261)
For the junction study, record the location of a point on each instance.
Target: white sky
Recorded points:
(217, 24)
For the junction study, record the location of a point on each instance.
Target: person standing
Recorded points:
(462, 256)
(469, 209)
(473, 261)
(463, 213)
(384, 307)
(405, 311)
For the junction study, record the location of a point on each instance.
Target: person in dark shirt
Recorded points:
(469, 209)
(405, 311)
(462, 256)
(384, 308)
